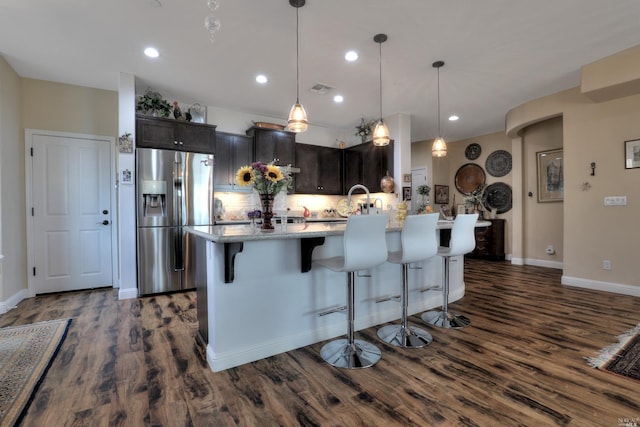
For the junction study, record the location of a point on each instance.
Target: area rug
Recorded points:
(622, 358)
(26, 352)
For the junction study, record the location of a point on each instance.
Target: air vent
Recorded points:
(320, 89)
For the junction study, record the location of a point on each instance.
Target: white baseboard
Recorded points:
(13, 300)
(601, 286)
(127, 293)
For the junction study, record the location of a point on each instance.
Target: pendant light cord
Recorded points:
(297, 58)
(439, 136)
(380, 63)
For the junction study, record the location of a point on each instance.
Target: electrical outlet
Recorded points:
(606, 264)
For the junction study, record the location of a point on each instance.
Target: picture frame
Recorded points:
(550, 165)
(406, 177)
(406, 193)
(632, 154)
(441, 194)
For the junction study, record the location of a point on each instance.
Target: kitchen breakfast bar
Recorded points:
(259, 294)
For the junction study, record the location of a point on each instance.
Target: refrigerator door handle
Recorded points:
(178, 188)
(179, 255)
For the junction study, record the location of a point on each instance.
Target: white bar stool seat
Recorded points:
(463, 241)
(419, 243)
(365, 247)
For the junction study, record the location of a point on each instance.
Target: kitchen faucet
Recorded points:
(362, 187)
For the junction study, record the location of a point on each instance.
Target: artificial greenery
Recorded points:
(152, 103)
(424, 190)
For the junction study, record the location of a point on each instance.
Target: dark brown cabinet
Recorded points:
(366, 164)
(232, 152)
(157, 132)
(275, 146)
(490, 241)
(320, 169)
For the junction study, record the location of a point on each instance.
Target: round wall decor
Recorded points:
(498, 196)
(499, 163)
(472, 151)
(469, 177)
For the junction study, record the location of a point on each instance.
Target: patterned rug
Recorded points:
(622, 358)
(26, 352)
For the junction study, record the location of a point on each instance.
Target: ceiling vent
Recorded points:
(320, 89)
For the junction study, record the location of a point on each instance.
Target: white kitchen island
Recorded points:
(259, 294)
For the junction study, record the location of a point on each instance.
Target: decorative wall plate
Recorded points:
(472, 151)
(498, 163)
(469, 177)
(498, 196)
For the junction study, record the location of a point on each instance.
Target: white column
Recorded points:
(126, 192)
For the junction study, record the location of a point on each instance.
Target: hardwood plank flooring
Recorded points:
(520, 363)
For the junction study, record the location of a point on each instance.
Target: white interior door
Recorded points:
(418, 177)
(72, 212)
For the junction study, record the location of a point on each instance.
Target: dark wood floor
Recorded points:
(134, 363)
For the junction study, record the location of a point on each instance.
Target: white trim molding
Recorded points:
(13, 300)
(616, 288)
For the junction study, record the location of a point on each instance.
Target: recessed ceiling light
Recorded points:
(261, 78)
(351, 56)
(453, 118)
(338, 98)
(151, 52)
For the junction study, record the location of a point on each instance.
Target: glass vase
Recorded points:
(266, 202)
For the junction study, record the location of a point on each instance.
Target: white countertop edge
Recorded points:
(245, 233)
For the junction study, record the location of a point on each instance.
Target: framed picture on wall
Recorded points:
(441, 194)
(632, 154)
(406, 193)
(550, 166)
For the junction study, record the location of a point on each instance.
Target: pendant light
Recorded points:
(297, 116)
(380, 132)
(439, 147)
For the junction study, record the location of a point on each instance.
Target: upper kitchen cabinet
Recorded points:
(320, 170)
(170, 134)
(275, 146)
(366, 164)
(232, 152)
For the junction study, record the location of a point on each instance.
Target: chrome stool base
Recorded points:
(409, 337)
(445, 320)
(341, 354)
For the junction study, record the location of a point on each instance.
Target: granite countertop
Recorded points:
(245, 232)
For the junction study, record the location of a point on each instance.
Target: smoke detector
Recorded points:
(320, 89)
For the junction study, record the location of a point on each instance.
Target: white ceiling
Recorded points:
(498, 53)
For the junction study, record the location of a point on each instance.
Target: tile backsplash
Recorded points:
(235, 205)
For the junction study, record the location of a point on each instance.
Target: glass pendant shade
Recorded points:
(381, 134)
(439, 147)
(298, 118)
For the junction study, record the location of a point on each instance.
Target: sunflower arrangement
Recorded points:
(265, 178)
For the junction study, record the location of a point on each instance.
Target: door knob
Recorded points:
(105, 212)
(105, 222)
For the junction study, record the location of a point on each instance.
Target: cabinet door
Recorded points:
(352, 170)
(223, 179)
(196, 137)
(273, 146)
(306, 181)
(156, 133)
(232, 152)
(329, 167)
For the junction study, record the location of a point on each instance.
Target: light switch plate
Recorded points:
(615, 200)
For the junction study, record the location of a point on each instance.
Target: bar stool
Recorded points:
(365, 247)
(419, 243)
(463, 241)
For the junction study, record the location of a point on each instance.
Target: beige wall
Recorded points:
(543, 222)
(36, 104)
(593, 132)
(67, 108)
(13, 267)
(444, 169)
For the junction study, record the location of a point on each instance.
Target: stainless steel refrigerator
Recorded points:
(173, 189)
